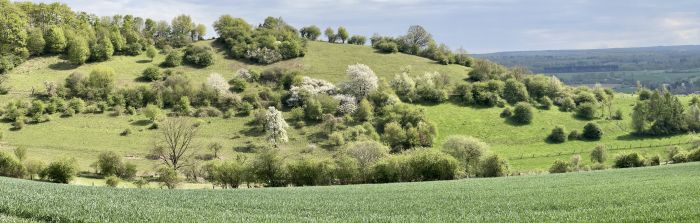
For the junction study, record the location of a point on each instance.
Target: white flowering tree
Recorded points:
(310, 86)
(218, 82)
(276, 127)
(362, 81)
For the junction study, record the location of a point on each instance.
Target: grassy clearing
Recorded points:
(514, 141)
(624, 195)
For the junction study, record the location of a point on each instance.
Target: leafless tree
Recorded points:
(176, 136)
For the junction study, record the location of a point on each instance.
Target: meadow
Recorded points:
(667, 193)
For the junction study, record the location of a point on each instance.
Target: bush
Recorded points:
(336, 139)
(586, 111)
(228, 174)
(574, 135)
(238, 84)
(592, 131)
(557, 135)
(168, 177)
(112, 181)
(654, 161)
(133, 49)
(387, 47)
(309, 172)
(152, 74)
(628, 160)
(522, 114)
(109, 163)
(173, 59)
(680, 157)
(62, 171)
(599, 154)
(11, 167)
(560, 166)
(546, 102)
(694, 155)
(202, 56)
(467, 150)
(494, 166)
(416, 165)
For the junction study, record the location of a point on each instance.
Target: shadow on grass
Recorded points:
(252, 132)
(144, 61)
(635, 137)
(63, 65)
(143, 122)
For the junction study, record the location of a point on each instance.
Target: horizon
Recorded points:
(527, 25)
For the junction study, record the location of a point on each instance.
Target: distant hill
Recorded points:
(602, 60)
(676, 67)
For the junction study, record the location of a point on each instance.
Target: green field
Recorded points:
(667, 193)
(85, 136)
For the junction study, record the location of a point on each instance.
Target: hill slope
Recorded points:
(666, 193)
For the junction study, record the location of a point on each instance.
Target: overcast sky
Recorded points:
(479, 26)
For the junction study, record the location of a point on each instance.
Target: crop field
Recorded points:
(667, 193)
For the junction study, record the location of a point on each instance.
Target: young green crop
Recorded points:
(667, 193)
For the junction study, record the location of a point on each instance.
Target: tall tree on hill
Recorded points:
(310, 32)
(343, 34)
(416, 39)
(330, 34)
(276, 127)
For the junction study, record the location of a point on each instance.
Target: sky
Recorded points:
(478, 26)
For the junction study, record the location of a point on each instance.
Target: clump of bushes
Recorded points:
(62, 171)
(152, 73)
(558, 135)
(522, 113)
(111, 164)
(173, 59)
(628, 160)
(201, 56)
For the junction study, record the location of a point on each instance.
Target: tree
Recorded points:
(176, 137)
(13, 35)
(78, 51)
(558, 135)
(330, 34)
(599, 154)
(10, 166)
(416, 39)
(109, 163)
(362, 81)
(310, 32)
(62, 171)
(515, 91)
(36, 42)
(468, 150)
(103, 50)
(357, 40)
(494, 166)
(151, 52)
(267, 167)
(342, 34)
(182, 27)
(394, 135)
(276, 126)
(55, 40)
(592, 131)
(364, 111)
(200, 31)
(522, 113)
(21, 153)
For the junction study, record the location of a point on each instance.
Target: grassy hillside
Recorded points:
(624, 195)
(86, 135)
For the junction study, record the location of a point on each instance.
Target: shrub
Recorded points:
(153, 112)
(522, 113)
(34, 168)
(599, 154)
(308, 172)
(152, 74)
(228, 174)
(140, 183)
(11, 167)
(126, 132)
(506, 113)
(109, 163)
(494, 166)
(467, 150)
(173, 59)
(430, 164)
(680, 157)
(567, 105)
(133, 49)
(694, 155)
(557, 135)
(202, 56)
(592, 131)
(337, 139)
(168, 177)
(367, 153)
(586, 111)
(267, 167)
(238, 84)
(654, 161)
(112, 181)
(574, 135)
(62, 171)
(387, 47)
(560, 166)
(618, 115)
(628, 160)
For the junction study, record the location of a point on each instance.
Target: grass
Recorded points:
(667, 193)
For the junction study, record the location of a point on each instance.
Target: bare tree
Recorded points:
(176, 135)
